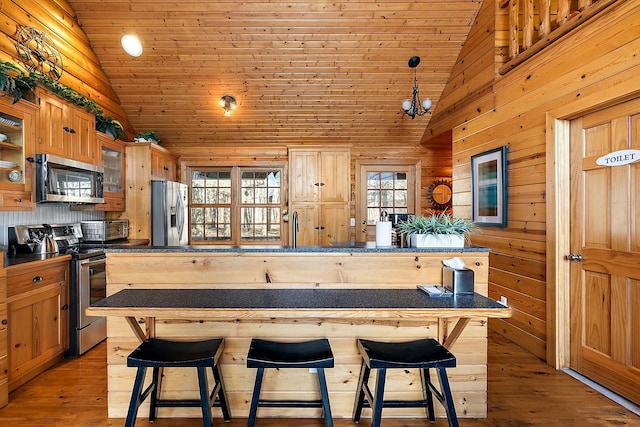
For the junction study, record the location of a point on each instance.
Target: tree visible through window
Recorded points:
(236, 205)
(386, 191)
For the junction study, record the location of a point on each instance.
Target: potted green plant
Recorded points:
(110, 126)
(436, 230)
(14, 82)
(148, 136)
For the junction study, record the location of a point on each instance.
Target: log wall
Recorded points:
(593, 66)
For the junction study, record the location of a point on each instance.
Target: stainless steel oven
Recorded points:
(90, 286)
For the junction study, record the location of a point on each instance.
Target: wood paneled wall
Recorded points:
(595, 65)
(82, 70)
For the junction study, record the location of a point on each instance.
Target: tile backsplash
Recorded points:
(44, 214)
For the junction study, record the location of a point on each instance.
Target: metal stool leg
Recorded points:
(205, 404)
(328, 420)
(255, 398)
(357, 406)
(136, 397)
(447, 398)
(378, 399)
(219, 390)
(427, 394)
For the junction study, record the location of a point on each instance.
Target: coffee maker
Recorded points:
(397, 239)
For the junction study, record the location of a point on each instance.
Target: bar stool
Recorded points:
(270, 354)
(423, 354)
(159, 354)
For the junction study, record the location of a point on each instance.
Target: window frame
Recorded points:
(236, 199)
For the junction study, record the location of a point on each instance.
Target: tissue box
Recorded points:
(458, 281)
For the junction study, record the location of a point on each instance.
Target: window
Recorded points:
(386, 191)
(236, 205)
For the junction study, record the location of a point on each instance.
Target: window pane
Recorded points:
(197, 196)
(386, 191)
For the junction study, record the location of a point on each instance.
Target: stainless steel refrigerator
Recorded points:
(169, 210)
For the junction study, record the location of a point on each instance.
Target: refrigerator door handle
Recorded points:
(179, 214)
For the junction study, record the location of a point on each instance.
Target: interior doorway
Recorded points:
(604, 239)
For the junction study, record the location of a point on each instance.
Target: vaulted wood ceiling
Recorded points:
(302, 71)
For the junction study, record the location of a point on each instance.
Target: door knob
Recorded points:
(574, 257)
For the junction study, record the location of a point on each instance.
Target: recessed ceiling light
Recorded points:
(131, 45)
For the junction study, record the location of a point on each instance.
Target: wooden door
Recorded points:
(82, 136)
(52, 136)
(308, 216)
(605, 234)
(334, 176)
(334, 223)
(303, 176)
(384, 187)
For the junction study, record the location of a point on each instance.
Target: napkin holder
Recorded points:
(458, 281)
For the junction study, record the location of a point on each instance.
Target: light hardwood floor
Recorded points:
(523, 391)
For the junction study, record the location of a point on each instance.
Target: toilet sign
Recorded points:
(619, 158)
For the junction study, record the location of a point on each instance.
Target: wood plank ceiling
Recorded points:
(302, 71)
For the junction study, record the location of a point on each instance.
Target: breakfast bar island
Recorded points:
(295, 294)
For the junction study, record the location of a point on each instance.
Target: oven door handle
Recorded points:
(93, 262)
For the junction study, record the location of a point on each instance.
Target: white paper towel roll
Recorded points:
(383, 233)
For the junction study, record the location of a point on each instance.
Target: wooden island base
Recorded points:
(142, 269)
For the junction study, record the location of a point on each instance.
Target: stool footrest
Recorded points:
(187, 403)
(290, 403)
(401, 404)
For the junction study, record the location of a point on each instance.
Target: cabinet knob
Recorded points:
(165, 168)
(37, 279)
(72, 131)
(64, 307)
(4, 321)
(66, 129)
(320, 227)
(18, 200)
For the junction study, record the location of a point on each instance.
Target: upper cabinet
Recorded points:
(113, 158)
(319, 176)
(17, 140)
(66, 130)
(164, 165)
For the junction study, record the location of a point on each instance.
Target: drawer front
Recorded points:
(16, 199)
(33, 279)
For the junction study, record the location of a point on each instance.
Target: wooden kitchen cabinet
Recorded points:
(66, 130)
(319, 176)
(37, 317)
(4, 360)
(164, 165)
(113, 162)
(18, 124)
(319, 186)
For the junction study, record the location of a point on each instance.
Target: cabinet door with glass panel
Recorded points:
(112, 152)
(17, 139)
(236, 205)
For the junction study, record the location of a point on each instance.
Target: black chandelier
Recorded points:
(413, 107)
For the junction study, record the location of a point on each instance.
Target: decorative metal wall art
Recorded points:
(38, 52)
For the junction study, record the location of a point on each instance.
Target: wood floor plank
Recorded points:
(522, 391)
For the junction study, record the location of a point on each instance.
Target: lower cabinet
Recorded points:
(321, 224)
(4, 360)
(37, 318)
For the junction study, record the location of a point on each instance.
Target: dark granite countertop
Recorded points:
(18, 259)
(268, 299)
(288, 249)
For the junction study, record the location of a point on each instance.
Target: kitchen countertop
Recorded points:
(289, 249)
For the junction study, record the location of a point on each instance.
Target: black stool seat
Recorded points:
(423, 354)
(158, 354)
(426, 353)
(270, 354)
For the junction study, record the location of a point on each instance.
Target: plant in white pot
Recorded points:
(148, 136)
(436, 231)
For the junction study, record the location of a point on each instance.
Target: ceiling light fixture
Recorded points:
(229, 104)
(413, 107)
(131, 45)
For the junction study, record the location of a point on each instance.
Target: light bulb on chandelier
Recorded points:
(413, 107)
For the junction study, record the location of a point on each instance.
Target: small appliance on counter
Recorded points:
(399, 240)
(105, 231)
(32, 239)
(458, 281)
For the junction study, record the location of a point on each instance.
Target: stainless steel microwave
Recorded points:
(67, 181)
